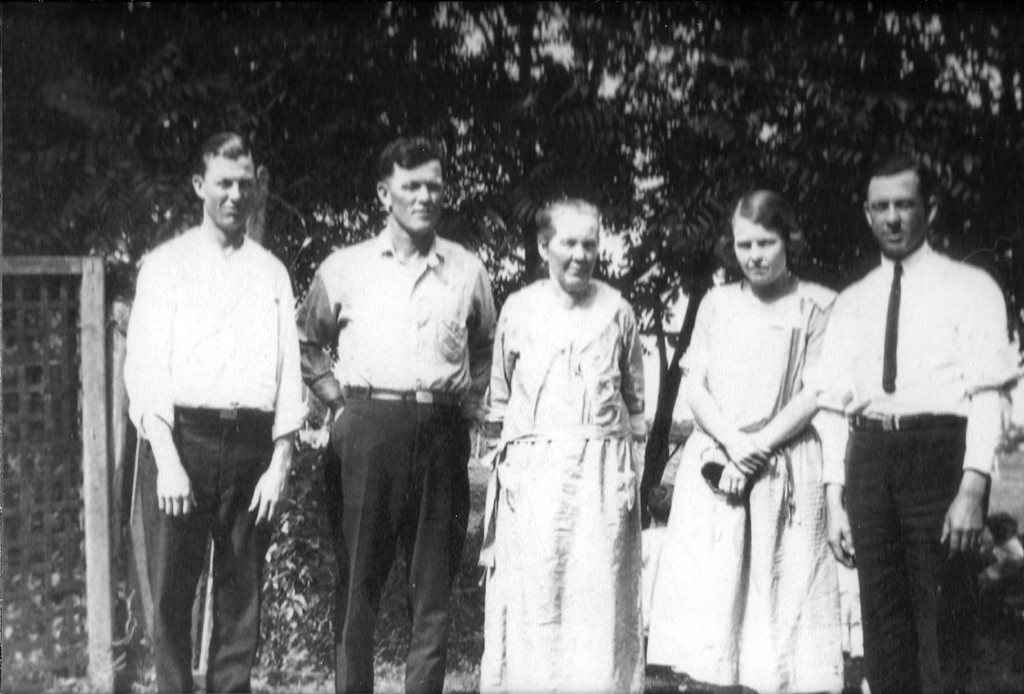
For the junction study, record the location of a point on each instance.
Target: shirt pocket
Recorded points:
(451, 335)
(451, 340)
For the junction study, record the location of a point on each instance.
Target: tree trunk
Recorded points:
(656, 453)
(526, 20)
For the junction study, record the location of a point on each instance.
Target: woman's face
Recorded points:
(760, 252)
(571, 254)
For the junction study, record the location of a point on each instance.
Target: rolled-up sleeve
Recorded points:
(317, 327)
(147, 368)
(481, 328)
(992, 369)
(289, 409)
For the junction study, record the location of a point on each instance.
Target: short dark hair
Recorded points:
(224, 144)
(409, 152)
(772, 211)
(895, 163)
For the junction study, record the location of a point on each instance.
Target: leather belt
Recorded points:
(224, 414)
(422, 397)
(907, 422)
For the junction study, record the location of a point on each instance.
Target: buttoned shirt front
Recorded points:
(953, 354)
(213, 329)
(427, 324)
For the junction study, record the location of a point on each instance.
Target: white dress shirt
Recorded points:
(213, 329)
(953, 354)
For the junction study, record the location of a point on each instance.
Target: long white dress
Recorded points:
(747, 593)
(563, 588)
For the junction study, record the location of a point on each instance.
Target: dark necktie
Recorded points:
(892, 324)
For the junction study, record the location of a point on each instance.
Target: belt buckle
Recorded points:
(424, 397)
(890, 422)
(228, 414)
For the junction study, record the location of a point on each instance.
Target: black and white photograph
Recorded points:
(512, 347)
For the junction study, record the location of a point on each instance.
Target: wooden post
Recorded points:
(96, 477)
(118, 329)
(207, 634)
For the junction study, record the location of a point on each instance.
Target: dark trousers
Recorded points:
(918, 605)
(224, 460)
(396, 474)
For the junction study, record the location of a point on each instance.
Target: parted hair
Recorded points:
(547, 217)
(774, 213)
(893, 163)
(409, 152)
(226, 144)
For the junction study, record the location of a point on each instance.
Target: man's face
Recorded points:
(226, 189)
(414, 197)
(898, 216)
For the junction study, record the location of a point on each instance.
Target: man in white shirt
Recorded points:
(911, 369)
(412, 319)
(214, 385)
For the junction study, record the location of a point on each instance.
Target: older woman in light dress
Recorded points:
(563, 541)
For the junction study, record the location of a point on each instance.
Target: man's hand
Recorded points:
(964, 524)
(173, 487)
(748, 454)
(840, 534)
(271, 489)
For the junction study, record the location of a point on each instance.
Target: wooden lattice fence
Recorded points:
(57, 530)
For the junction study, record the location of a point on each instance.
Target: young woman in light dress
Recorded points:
(746, 591)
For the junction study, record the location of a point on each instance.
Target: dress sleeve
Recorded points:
(695, 361)
(147, 368)
(631, 368)
(829, 365)
(503, 364)
(816, 325)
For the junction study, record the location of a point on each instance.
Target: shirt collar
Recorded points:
(384, 247)
(203, 238)
(912, 261)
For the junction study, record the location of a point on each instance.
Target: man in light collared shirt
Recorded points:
(910, 375)
(412, 318)
(214, 384)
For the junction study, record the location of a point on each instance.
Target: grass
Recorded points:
(999, 659)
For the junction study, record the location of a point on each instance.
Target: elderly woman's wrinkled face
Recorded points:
(571, 253)
(761, 253)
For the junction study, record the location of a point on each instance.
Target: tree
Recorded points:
(661, 113)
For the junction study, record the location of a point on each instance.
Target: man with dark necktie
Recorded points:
(914, 363)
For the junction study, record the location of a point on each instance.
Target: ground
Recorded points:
(999, 652)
